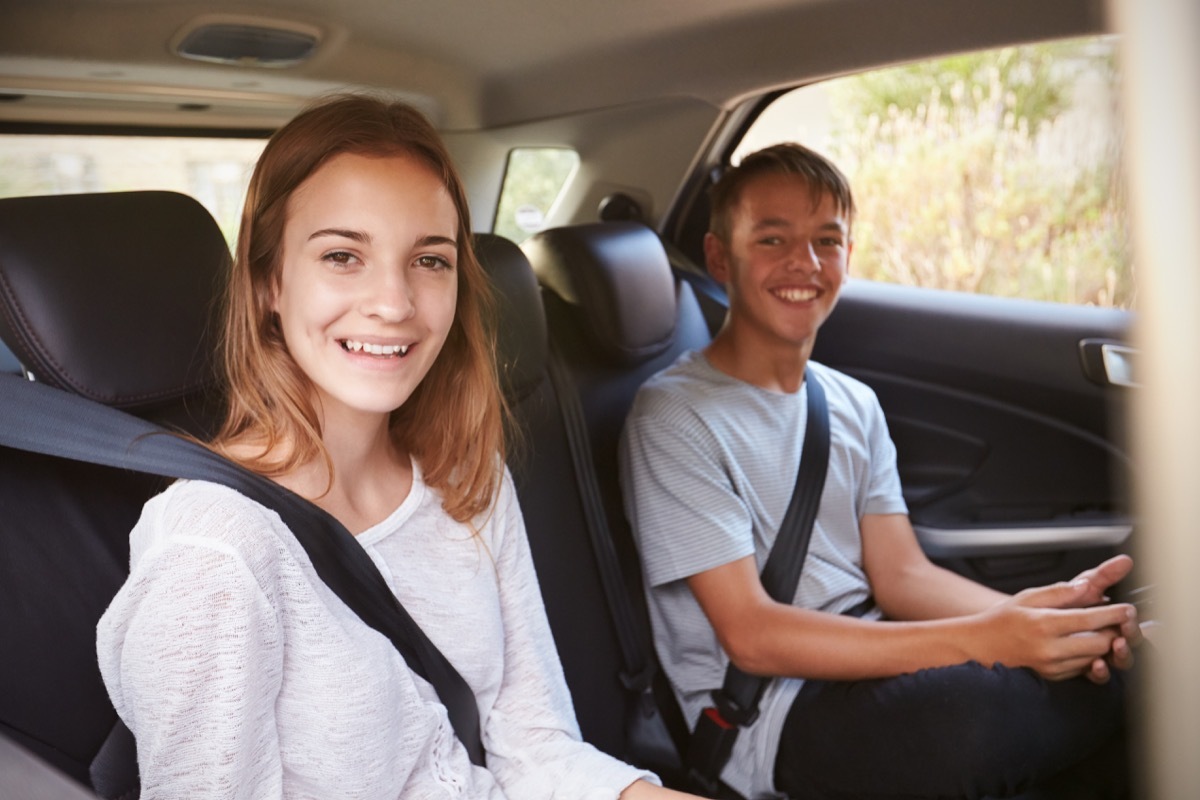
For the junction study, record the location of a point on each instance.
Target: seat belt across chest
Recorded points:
(57, 423)
(735, 704)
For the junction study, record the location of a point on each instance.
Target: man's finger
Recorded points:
(1099, 672)
(1122, 653)
(1105, 574)
(1066, 622)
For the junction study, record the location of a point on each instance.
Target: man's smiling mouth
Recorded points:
(796, 295)
(382, 350)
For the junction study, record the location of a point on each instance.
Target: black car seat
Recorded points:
(545, 478)
(615, 315)
(107, 296)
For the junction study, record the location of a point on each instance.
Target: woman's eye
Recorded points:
(338, 257)
(434, 262)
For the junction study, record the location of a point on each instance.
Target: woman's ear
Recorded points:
(716, 258)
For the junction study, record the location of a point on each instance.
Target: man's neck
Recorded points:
(776, 366)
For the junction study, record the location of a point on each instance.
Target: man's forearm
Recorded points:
(925, 591)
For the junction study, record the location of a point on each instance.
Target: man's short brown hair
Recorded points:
(789, 158)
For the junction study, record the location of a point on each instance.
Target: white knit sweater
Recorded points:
(242, 675)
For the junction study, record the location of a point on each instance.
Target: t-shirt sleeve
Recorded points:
(883, 493)
(191, 653)
(679, 496)
(531, 735)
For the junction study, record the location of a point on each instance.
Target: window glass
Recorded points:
(994, 172)
(214, 171)
(533, 181)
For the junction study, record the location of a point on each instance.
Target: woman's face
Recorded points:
(368, 283)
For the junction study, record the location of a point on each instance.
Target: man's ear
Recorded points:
(849, 252)
(716, 258)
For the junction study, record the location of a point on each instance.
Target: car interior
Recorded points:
(1012, 417)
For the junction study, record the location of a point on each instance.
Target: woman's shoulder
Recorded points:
(197, 513)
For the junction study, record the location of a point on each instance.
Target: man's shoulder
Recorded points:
(690, 389)
(843, 389)
(678, 384)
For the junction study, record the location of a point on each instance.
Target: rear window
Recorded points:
(534, 178)
(215, 171)
(994, 172)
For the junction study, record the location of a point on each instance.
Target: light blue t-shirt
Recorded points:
(708, 467)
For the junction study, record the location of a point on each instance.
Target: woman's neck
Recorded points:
(371, 474)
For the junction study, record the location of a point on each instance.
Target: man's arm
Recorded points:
(907, 586)
(1038, 628)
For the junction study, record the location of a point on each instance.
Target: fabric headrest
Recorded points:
(111, 295)
(521, 343)
(618, 276)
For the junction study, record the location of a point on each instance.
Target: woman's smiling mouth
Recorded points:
(382, 350)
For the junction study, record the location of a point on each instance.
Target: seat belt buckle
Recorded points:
(709, 750)
(730, 713)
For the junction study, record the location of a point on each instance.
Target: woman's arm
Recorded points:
(191, 655)
(533, 741)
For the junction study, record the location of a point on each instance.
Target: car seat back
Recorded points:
(615, 316)
(108, 296)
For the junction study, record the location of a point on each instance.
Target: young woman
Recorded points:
(360, 375)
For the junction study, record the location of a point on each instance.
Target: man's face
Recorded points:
(784, 264)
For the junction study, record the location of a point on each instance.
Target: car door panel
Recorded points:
(1006, 423)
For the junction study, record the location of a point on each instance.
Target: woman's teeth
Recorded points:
(376, 349)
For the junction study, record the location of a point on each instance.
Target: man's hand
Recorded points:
(1049, 630)
(1090, 589)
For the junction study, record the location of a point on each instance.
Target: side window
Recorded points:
(214, 171)
(533, 180)
(994, 172)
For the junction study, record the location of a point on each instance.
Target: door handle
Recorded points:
(1108, 363)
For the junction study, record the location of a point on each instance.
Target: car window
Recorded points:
(534, 178)
(993, 172)
(215, 171)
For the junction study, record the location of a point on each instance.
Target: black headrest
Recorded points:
(618, 276)
(110, 295)
(521, 335)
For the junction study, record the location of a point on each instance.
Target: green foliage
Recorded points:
(1039, 78)
(535, 177)
(987, 175)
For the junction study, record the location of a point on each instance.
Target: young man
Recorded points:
(943, 687)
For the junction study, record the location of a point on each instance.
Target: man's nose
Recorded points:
(803, 257)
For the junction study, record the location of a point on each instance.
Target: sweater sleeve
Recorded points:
(191, 653)
(532, 738)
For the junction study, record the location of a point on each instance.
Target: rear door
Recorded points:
(1007, 423)
(989, 293)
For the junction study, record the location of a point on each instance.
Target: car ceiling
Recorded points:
(473, 65)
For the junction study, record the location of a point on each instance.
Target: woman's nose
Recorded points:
(388, 297)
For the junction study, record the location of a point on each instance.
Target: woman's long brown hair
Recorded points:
(453, 423)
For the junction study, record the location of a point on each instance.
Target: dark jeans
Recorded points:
(965, 731)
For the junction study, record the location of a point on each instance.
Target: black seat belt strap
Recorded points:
(638, 666)
(57, 423)
(736, 702)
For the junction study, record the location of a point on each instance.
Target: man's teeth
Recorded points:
(796, 295)
(376, 349)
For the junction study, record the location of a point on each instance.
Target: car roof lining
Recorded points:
(499, 64)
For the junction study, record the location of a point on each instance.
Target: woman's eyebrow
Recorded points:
(431, 240)
(358, 236)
